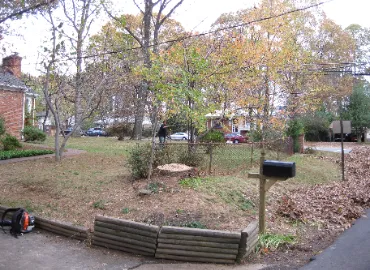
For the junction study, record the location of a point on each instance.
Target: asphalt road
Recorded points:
(351, 251)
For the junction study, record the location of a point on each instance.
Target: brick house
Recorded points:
(16, 99)
(236, 122)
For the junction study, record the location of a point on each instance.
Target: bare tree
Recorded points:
(79, 15)
(148, 39)
(59, 95)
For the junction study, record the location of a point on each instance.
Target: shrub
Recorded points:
(191, 158)
(256, 136)
(2, 126)
(120, 130)
(138, 160)
(214, 136)
(10, 143)
(147, 133)
(295, 128)
(23, 153)
(32, 134)
(270, 242)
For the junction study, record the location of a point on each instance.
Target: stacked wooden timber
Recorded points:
(188, 244)
(249, 240)
(124, 235)
(61, 228)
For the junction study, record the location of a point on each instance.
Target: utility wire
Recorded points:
(209, 32)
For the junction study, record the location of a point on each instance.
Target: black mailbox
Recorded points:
(279, 169)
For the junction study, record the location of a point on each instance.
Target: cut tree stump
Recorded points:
(177, 170)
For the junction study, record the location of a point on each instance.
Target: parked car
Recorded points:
(348, 137)
(67, 131)
(96, 131)
(235, 138)
(179, 136)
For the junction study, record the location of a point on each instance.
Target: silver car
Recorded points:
(179, 136)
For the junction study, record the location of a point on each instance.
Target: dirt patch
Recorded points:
(79, 188)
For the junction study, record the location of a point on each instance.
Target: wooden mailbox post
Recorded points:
(266, 182)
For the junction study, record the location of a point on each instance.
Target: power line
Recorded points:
(209, 32)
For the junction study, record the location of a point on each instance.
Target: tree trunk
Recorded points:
(140, 112)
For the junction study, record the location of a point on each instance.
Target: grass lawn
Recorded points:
(99, 182)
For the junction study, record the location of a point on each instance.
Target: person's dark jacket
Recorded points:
(162, 131)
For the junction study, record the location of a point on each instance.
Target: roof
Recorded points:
(8, 80)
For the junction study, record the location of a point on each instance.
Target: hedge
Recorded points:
(23, 153)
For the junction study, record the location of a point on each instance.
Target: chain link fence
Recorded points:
(221, 158)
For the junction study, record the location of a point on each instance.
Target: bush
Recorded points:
(120, 130)
(23, 153)
(294, 130)
(213, 136)
(191, 158)
(2, 126)
(147, 133)
(256, 136)
(32, 134)
(138, 161)
(10, 143)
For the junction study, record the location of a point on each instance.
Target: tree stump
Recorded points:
(177, 170)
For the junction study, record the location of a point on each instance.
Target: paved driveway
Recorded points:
(350, 252)
(332, 149)
(43, 251)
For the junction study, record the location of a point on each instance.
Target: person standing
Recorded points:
(162, 133)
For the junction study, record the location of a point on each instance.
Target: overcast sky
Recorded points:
(195, 15)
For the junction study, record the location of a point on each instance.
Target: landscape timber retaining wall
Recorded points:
(198, 245)
(173, 243)
(62, 228)
(248, 241)
(128, 236)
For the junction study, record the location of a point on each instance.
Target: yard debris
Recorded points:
(335, 205)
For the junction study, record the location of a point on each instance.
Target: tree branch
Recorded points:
(26, 10)
(142, 12)
(126, 28)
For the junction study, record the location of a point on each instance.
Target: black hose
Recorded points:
(5, 223)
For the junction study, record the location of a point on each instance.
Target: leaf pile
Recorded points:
(337, 204)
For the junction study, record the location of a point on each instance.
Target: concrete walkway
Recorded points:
(42, 250)
(350, 251)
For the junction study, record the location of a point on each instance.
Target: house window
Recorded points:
(235, 125)
(28, 107)
(216, 123)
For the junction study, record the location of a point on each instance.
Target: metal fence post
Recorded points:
(252, 153)
(210, 147)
